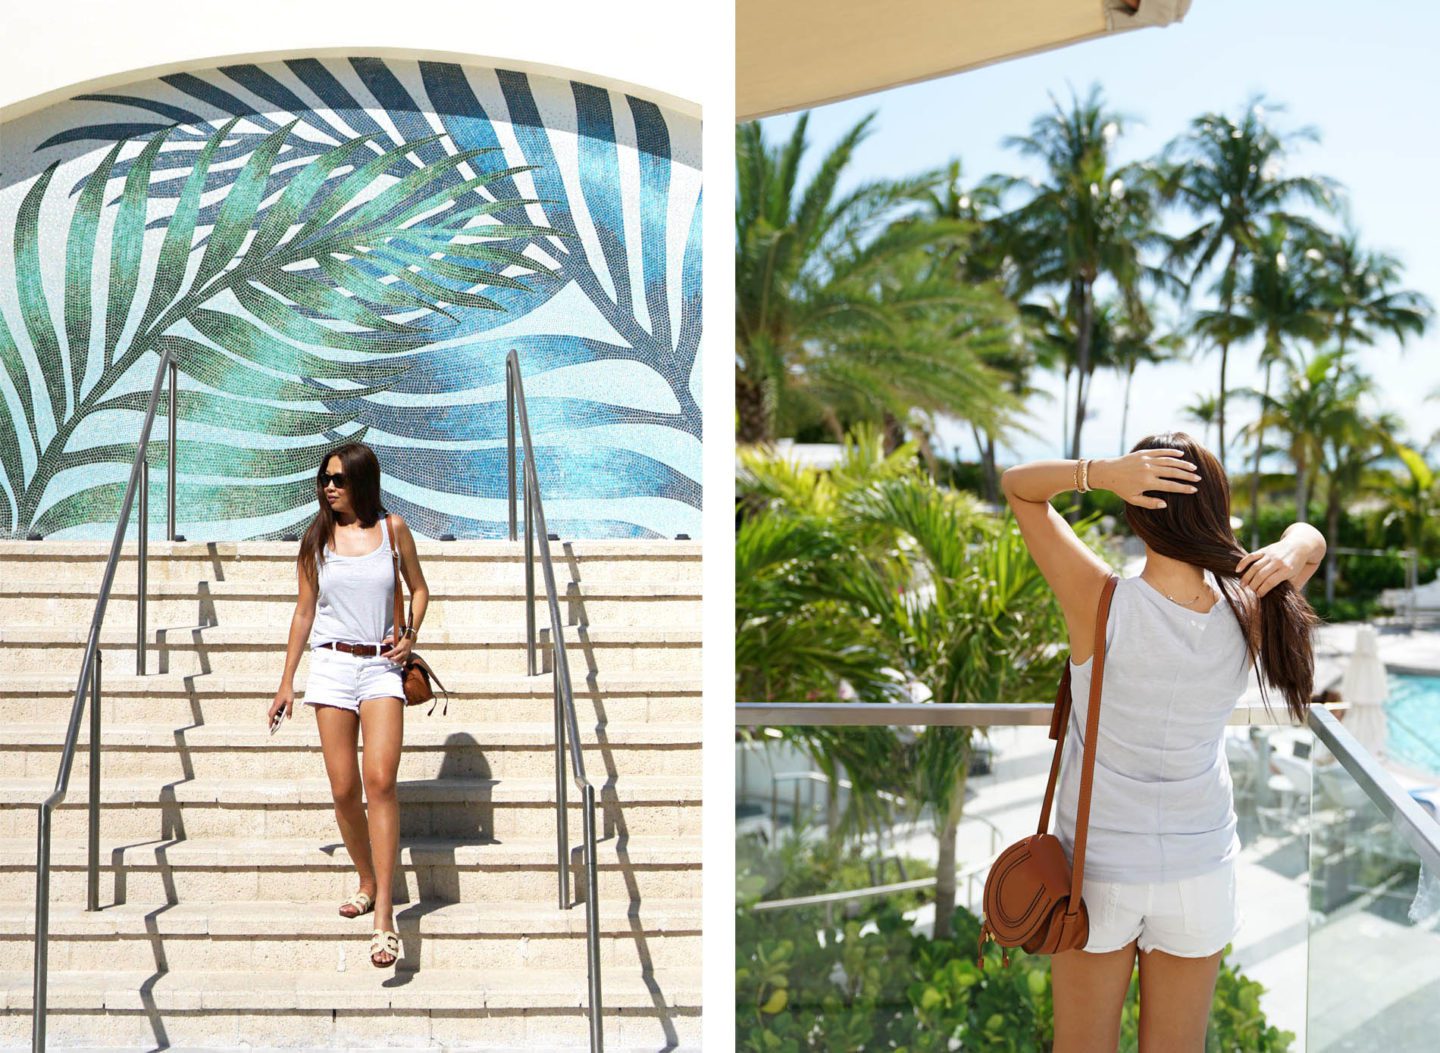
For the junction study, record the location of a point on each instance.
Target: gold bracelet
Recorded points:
(1076, 487)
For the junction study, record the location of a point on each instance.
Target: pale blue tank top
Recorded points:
(356, 599)
(1162, 803)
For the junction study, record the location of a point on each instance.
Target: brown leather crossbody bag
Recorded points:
(1032, 895)
(417, 674)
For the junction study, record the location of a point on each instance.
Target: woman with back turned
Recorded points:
(1181, 642)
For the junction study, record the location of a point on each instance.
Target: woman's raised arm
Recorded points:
(1075, 574)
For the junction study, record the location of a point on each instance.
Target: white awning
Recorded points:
(794, 54)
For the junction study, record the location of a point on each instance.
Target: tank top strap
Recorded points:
(385, 530)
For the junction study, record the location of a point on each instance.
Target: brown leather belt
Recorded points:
(359, 650)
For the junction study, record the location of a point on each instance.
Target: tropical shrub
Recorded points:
(871, 982)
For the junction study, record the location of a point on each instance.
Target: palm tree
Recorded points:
(1230, 175)
(836, 308)
(1203, 410)
(1135, 343)
(983, 627)
(1366, 301)
(985, 258)
(1353, 442)
(1086, 218)
(1285, 299)
(1414, 499)
(1320, 398)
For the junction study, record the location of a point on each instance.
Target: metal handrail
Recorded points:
(560, 673)
(969, 871)
(1412, 821)
(90, 669)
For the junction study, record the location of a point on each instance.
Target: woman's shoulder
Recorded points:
(397, 523)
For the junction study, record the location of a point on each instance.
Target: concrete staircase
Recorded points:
(221, 864)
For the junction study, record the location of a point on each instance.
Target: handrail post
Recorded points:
(92, 894)
(592, 921)
(510, 382)
(530, 659)
(42, 929)
(141, 559)
(562, 818)
(567, 728)
(170, 460)
(89, 666)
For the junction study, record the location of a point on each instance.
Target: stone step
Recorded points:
(446, 563)
(44, 601)
(459, 806)
(477, 701)
(428, 869)
(309, 934)
(455, 653)
(430, 751)
(299, 1008)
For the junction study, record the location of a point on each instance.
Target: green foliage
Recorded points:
(844, 308)
(871, 982)
(1236, 1020)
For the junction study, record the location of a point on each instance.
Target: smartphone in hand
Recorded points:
(277, 720)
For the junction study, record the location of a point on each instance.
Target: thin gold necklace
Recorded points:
(1183, 603)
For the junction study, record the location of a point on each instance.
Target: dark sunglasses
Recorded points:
(338, 479)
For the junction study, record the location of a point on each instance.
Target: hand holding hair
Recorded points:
(1129, 477)
(1299, 548)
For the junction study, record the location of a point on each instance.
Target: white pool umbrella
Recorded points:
(1365, 687)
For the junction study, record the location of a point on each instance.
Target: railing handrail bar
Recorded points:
(816, 776)
(1404, 812)
(870, 891)
(1380, 786)
(566, 723)
(562, 665)
(72, 730)
(948, 714)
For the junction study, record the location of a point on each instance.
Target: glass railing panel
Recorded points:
(1374, 961)
(862, 972)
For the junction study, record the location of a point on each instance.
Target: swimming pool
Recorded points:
(1414, 731)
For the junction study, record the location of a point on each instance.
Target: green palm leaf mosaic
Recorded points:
(332, 250)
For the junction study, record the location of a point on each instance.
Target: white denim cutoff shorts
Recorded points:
(338, 678)
(1191, 917)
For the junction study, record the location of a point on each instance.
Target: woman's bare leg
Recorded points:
(338, 730)
(1175, 998)
(383, 720)
(1089, 992)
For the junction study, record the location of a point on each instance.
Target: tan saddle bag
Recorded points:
(1032, 894)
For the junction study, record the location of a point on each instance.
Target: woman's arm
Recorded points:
(300, 624)
(415, 581)
(1294, 558)
(1075, 574)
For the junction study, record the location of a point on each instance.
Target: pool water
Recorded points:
(1414, 727)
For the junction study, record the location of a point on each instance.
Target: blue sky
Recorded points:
(1366, 75)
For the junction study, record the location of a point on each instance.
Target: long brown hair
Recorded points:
(362, 482)
(1195, 529)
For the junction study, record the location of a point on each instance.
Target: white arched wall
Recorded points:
(641, 47)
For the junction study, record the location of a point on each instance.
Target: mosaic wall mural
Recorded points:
(347, 249)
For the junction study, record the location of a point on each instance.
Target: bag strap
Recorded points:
(395, 562)
(1059, 722)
